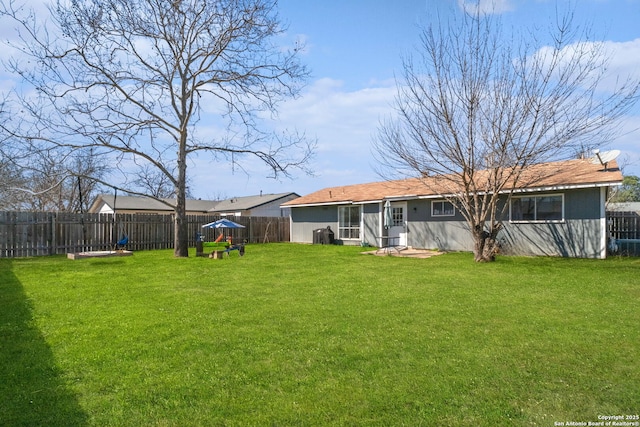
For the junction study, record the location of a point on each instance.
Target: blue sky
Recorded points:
(354, 50)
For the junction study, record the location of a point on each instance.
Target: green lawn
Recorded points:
(317, 335)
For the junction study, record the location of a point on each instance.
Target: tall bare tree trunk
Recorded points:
(485, 245)
(146, 109)
(181, 239)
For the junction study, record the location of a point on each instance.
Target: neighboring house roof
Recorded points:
(624, 207)
(141, 204)
(133, 203)
(248, 202)
(577, 173)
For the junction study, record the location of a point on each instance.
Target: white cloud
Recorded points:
(485, 7)
(326, 107)
(343, 122)
(623, 62)
(624, 58)
(628, 142)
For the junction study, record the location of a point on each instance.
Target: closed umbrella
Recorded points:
(387, 215)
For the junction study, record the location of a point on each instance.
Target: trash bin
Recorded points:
(323, 236)
(199, 244)
(199, 248)
(317, 236)
(328, 236)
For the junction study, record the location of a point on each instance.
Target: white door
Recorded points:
(398, 231)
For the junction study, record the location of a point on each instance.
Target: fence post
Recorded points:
(51, 233)
(52, 238)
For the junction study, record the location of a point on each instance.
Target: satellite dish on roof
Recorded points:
(605, 157)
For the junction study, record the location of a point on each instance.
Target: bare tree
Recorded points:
(476, 107)
(156, 184)
(11, 179)
(135, 80)
(50, 184)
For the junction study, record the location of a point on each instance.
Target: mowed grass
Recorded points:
(317, 335)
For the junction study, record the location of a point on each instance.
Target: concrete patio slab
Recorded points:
(404, 252)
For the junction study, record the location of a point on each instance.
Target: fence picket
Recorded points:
(25, 234)
(624, 230)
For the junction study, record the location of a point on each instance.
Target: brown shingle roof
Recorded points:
(569, 173)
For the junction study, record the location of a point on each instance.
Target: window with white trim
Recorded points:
(543, 208)
(349, 222)
(442, 208)
(397, 216)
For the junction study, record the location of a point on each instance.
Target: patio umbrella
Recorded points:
(223, 223)
(387, 215)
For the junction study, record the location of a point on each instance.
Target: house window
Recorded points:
(538, 208)
(442, 208)
(397, 216)
(349, 222)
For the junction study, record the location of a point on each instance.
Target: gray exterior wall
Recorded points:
(579, 235)
(305, 220)
(272, 209)
(371, 224)
(573, 238)
(433, 232)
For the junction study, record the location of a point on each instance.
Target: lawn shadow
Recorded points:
(31, 389)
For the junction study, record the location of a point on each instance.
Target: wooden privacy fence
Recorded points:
(25, 234)
(624, 233)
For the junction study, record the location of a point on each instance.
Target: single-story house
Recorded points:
(261, 205)
(560, 213)
(108, 203)
(624, 207)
